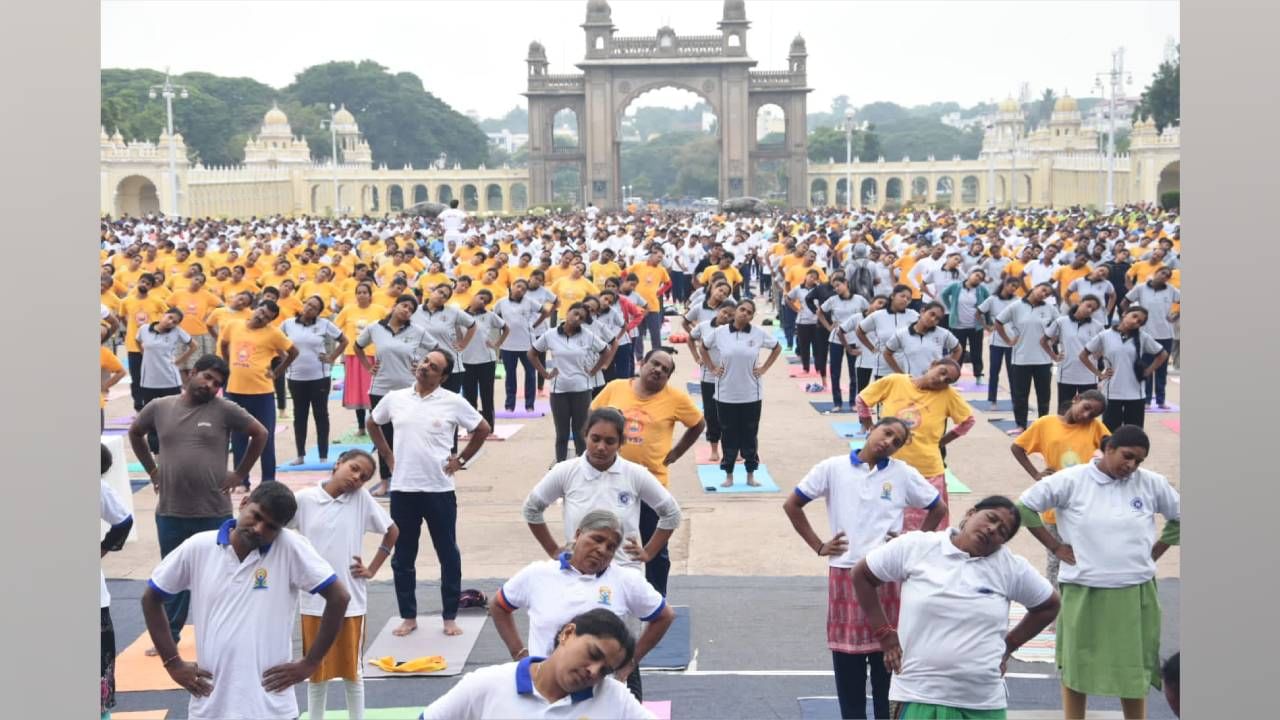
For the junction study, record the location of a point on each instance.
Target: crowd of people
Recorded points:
(223, 321)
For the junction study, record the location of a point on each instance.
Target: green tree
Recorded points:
(1042, 110)
(1161, 100)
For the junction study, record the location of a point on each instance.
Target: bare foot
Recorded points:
(993, 405)
(380, 491)
(152, 652)
(297, 461)
(751, 480)
(714, 456)
(728, 481)
(406, 626)
(451, 628)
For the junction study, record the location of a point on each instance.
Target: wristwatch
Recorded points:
(462, 462)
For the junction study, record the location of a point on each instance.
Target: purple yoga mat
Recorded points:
(1170, 409)
(541, 408)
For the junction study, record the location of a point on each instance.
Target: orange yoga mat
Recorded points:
(140, 715)
(135, 672)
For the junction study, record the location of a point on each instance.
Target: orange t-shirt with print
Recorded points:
(252, 350)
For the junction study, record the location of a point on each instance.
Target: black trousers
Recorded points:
(971, 342)
(1124, 412)
(851, 684)
(1021, 377)
(511, 360)
(658, 569)
(834, 352)
(809, 342)
(135, 380)
(149, 394)
(388, 432)
(1067, 392)
(709, 411)
(864, 379)
(477, 384)
(440, 511)
(740, 433)
(311, 397)
(279, 384)
(999, 356)
(569, 412)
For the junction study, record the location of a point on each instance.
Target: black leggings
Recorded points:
(1021, 377)
(999, 356)
(1124, 412)
(864, 379)
(851, 684)
(311, 397)
(709, 412)
(569, 412)
(740, 432)
(135, 380)
(971, 342)
(834, 351)
(279, 385)
(1067, 392)
(809, 341)
(477, 383)
(388, 432)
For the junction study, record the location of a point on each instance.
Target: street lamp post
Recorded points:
(1116, 79)
(168, 91)
(333, 132)
(848, 160)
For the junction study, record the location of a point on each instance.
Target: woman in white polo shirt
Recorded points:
(581, 578)
(1109, 632)
(739, 391)
(1121, 347)
(956, 589)
(1022, 324)
(1072, 331)
(707, 379)
(574, 681)
(866, 492)
(867, 358)
(877, 327)
(576, 355)
(836, 311)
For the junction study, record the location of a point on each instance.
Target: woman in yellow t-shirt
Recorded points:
(575, 287)
(925, 404)
(352, 321)
(250, 348)
(1063, 441)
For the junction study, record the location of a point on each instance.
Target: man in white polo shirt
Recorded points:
(244, 580)
(426, 418)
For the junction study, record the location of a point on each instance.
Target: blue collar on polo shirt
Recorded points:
(564, 565)
(524, 681)
(224, 536)
(881, 464)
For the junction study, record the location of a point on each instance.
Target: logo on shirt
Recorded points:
(260, 579)
(886, 490)
(633, 432)
(1136, 504)
(606, 595)
(624, 498)
(203, 424)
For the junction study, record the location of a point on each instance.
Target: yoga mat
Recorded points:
(1002, 405)
(136, 485)
(1039, 648)
(115, 431)
(352, 438)
(1170, 409)
(800, 373)
(136, 467)
(500, 433)
(825, 407)
(428, 639)
(711, 476)
(140, 715)
(312, 458)
(793, 359)
(121, 422)
(702, 453)
(1005, 426)
(500, 373)
(848, 429)
(135, 672)
(969, 386)
(1173, 424)
(821, 708)
(675, 650)
(661, 709)
(541, 408)
(336, 395)
(694, 389)
(954, 486)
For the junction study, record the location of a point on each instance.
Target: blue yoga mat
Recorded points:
(849, 430)
(675, 650)
(824, 407)
(694, 389)
(335, 396)
(136, 485)
(1002, 405)
(1004, 425)
(312, 458)
(822, 708)
(711, 476)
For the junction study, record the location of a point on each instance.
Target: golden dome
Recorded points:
(275, 116)
(344, 116)
(1009, 105)
(1066, 103)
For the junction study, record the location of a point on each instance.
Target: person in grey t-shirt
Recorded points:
(401, 345)
(165, 347)
(1022, 324)
(1158, 297)
(451, 329)
(191, 479)
(1120, 348)
(480, 356)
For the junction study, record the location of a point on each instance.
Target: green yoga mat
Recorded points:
(136, 467)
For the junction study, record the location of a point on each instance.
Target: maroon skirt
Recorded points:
(848, 628)
(355, 384)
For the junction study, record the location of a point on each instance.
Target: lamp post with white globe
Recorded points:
(168, 91)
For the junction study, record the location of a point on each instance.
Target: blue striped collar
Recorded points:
(524, 681)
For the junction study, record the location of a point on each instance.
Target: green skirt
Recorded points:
(1109, 640)
(926, 711)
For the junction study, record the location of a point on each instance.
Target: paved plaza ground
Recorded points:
(757, 593)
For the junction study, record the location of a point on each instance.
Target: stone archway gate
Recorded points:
(618, 69)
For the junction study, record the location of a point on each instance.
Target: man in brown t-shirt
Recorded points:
(193, 482)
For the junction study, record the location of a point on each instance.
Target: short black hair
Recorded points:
(606, 414)
(214, 363)
(1127, 436)
(1000, 502)
(277, 500)
(603, 623)
(1171, 670)
(107, 459)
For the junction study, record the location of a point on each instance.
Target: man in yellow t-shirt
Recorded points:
(249, 347)
(651, 408)
(1067, 274)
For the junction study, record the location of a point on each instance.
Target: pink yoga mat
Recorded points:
(800, 373)
(702, 453)
(1173, 424)
(661, 709)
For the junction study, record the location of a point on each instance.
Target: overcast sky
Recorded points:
(471, 53)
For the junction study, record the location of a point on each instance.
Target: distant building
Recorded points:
(507, 140)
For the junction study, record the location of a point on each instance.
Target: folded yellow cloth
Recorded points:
(427, 663)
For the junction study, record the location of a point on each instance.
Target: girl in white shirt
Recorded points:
(865, 494)
(956, 590)
(1109, 632)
